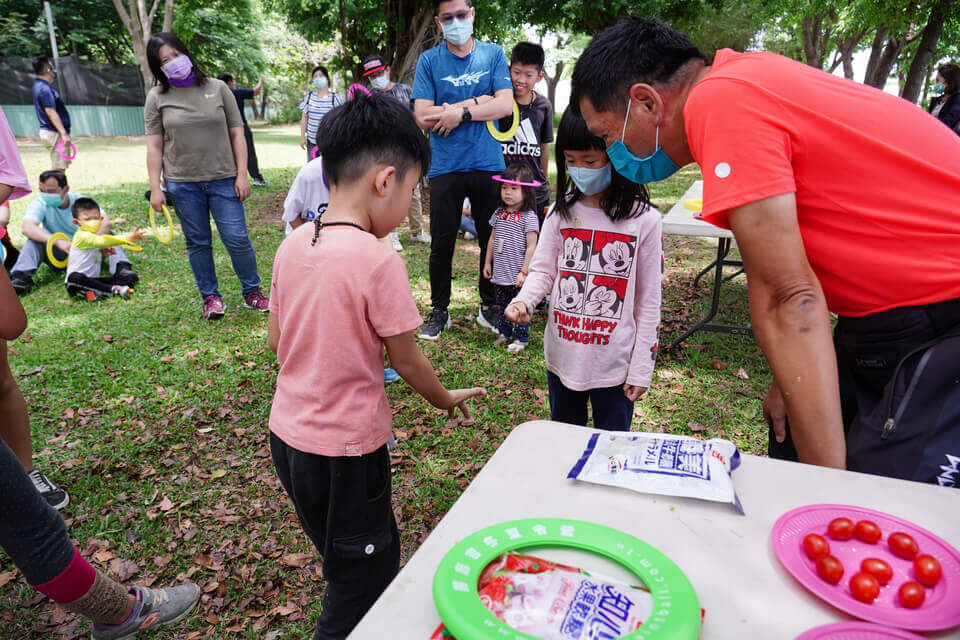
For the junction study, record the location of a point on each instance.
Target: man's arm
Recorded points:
(32, 230)
(57, 123)
(452, 115)
(792, 325)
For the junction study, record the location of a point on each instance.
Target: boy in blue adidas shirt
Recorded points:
(459, 85)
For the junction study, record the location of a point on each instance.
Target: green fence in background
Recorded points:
(85, 120)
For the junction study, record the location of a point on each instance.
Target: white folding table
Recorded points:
(728, 558)
(682, 221)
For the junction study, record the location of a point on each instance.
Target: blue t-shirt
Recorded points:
(44, 95)
(445, 78)
(53, 219)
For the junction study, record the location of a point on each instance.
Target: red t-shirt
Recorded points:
(876, 178)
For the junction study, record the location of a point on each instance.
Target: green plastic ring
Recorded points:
(676, 610)
(505, 136)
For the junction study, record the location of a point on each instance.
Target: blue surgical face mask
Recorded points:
(320, 82)
(938, 87)
(655, 167)
(458, 32)
(52, 199)
(591, 181)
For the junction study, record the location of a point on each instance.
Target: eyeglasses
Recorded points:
(447, 18)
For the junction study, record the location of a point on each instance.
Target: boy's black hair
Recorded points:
(527, 53)
(623, 198)
(40, 64)
(225, 77)
(521, 173)
(370, 130)
(84, 204)
(631, 51)
(437, 3)
(153, 59)
(60, 176)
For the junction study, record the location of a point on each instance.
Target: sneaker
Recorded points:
(258, 301)
(213, 307)
(489, 318)
(21, 283)
(125, 275)
(389, 375)
(51, 492)
(501, 339)
(259, 182)
(469, 236)
(92, 296)
(395, 241)
(122, 291)
(151, 608)
(438, 321)
(423, 237)
(516, 346)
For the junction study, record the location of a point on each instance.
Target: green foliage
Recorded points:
(224, 35)
(87, 29)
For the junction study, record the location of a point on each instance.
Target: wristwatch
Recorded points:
(466, 117)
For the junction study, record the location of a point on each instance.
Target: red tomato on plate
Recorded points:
(867, 531)
(926, 569)
(865, 587)
(878, 568)
(903, 545)
(840, 529)
(815, 546)
(911, 595)
(830, 569)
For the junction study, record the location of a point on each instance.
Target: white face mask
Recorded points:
(380, 82)
(459, 31)
(320, 82)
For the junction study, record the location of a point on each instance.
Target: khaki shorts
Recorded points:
(50, 140)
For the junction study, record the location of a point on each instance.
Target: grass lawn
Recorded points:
(155, 421)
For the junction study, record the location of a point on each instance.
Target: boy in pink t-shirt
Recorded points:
(338, 298)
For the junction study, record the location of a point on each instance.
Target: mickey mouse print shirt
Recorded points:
(604, 314)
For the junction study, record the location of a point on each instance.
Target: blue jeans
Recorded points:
(196, 202)
(611, 408)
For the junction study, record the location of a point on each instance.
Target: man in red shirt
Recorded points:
(841, 198)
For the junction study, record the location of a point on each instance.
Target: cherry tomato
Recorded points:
(902, 545)
(816, 546)
(926, 569)
(830, 569)
(878, 568)
(840, 529)
(911, 595)
(867, 531)
(865, 587)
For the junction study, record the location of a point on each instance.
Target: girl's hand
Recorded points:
(242, 188)
(458, 400)
(517, 313)
(487, 270)
(157, 199)
(633, 392)
(521, 278)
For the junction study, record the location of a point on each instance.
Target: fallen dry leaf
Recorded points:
(107, 337)
(124, 569)
(696, 427)
(719, 365)
(166, 504)
(741, 373)
(8, 576)
(298, 560)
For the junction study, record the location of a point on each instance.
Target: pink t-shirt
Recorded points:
(335, 303)
(11, 169)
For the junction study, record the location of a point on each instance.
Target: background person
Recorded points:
(450, 81)
(51, 112)
(377, 71)
(946, 106)
(253, 166)
(195, 135)
(314, 106)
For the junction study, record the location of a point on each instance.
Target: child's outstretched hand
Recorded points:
(517, 313)
(633, 392)
(458, 399)
(136, 234)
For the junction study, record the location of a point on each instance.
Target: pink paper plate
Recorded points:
(856, 631)
(941, 608)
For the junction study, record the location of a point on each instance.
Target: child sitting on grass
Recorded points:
(86, 247)
(330, 419)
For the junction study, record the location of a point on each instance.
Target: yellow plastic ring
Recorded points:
(59, 264)
(505, 136)
(693, 204)
(165, 238)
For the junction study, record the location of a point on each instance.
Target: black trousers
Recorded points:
(79, 284)
(344, 506)
(446, 204)
(868, 350)
(253, 167)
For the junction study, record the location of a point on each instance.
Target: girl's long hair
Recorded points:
(623, 199)
(521, 173)
(153, 59)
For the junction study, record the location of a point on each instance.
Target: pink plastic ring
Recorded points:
(500, 178)
(313, 154)
(60, 146)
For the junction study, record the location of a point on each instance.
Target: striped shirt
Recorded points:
(316, 108)
(510, 243)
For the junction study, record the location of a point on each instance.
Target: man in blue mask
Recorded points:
(782, 149)
(460, 85)
(52, 213)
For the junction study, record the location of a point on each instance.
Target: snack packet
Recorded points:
(663, 464)
(558, 602)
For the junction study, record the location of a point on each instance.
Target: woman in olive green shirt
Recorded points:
(195, 135)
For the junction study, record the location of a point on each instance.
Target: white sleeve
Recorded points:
(293, 204)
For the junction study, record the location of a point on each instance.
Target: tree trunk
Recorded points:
(423, 37)
(552, 82)
(885, 62)
(811, 39)
(138, 21)
(925, 51)
(875, 50)
(846, 47)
